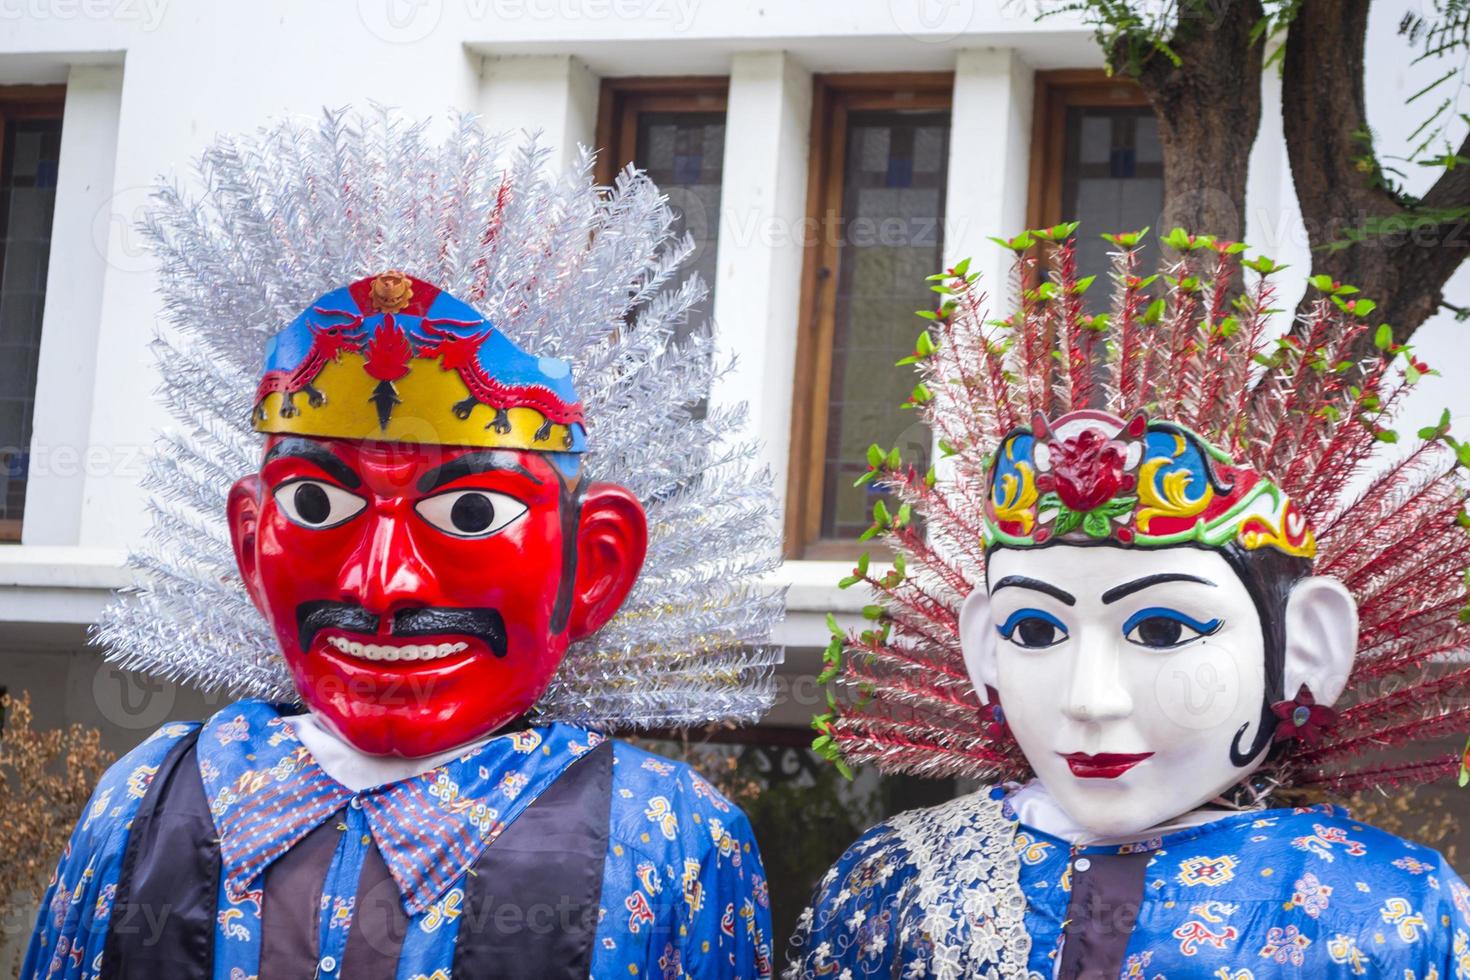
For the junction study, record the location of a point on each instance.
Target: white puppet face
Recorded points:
(1128, 674)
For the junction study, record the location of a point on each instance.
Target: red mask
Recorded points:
(424, 595)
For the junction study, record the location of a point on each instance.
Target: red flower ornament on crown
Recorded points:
(1087, 470)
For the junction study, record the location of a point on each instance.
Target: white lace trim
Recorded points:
(961, 914)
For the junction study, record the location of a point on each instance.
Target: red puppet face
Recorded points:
(425, 595)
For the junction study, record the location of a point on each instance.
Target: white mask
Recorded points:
(1128, 699)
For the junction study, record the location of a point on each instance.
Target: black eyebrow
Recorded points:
(314, 452)
(1149, 581)
(1035, 584)
(488, 460)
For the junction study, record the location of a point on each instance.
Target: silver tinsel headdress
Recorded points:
(561, 267)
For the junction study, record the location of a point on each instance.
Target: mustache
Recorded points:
(485, 624)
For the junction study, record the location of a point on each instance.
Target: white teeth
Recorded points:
(392, 652)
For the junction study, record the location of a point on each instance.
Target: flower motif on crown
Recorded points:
(1087, 471)
(391, 292)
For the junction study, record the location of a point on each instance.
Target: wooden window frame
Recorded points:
(834, 96)
(622, 100)
(25, 102)
(1056, 92)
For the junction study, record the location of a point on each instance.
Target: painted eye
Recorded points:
(1033, 629)
(471, 513)
(1164, 629)
(317, 505)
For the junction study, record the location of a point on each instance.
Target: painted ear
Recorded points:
(1321, 638)
(612, 538)
(977, 641)
(243, 512)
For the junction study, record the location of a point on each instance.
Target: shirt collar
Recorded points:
(266, 793)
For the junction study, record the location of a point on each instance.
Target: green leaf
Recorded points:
(873, 612)
(833, 628)
(1321, 282)
(880, 514)
(1383, 337)
(848, 581)
(1095, 524)
(1067, 521)
(875, 455)
(1082, 285)
(962, 267)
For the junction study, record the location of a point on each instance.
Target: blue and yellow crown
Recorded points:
(392, 358)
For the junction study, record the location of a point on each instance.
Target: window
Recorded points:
(673, 128)
(876, 197)
(30, 147)
(1095, 158)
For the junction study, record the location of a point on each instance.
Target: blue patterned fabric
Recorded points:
(684, 894)
(1274, 893)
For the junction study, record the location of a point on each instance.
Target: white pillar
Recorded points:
(555, 94)
(989, 161)
(762, 210)
(67, 367)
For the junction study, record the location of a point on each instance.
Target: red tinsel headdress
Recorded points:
(1193, 349)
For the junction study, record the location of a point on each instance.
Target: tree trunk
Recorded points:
(1208, 109)
(1337, 178)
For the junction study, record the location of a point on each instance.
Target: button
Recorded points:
(1082, 864)
(328, 964)
(357, 803)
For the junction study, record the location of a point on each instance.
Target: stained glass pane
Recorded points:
(1112, 180)
(891, 237)
(27, 198)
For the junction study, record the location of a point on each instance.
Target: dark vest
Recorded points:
(530, 904)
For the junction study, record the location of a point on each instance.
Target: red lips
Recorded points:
(1104, 765)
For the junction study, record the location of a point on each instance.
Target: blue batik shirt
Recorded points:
(963, 889)
(683, 890)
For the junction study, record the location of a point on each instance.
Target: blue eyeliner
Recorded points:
(1161, 612)
(1009, 626)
